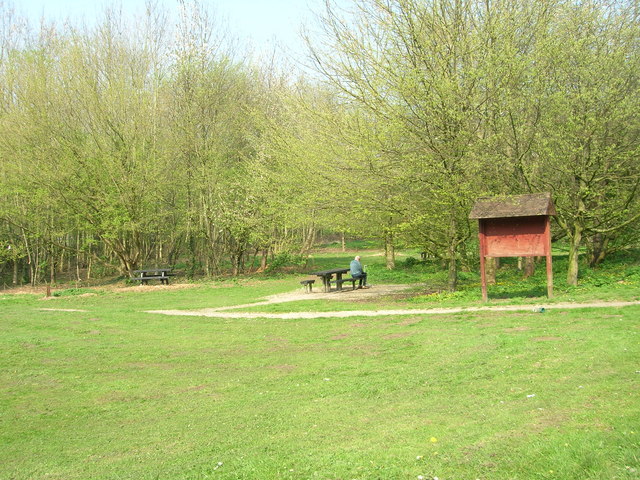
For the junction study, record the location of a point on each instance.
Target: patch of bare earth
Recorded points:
(224, 312)
(122, 287)
(285, 367)
(342, 336)
(392, 336)
(516, 329)
(411, 321)
(346, 294)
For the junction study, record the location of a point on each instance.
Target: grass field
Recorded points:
(95, 387)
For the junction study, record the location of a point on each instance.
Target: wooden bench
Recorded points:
(161, 274)
(327, 275)
(346, 280)
(308, 285)
(163, 280)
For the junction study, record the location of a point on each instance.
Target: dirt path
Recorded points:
(376, 291)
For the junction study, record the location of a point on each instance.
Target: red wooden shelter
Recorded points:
(514, 226)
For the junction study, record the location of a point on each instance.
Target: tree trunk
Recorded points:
(52, 270)
(309, 239)
(529, 266)
(235, 265)
(263, 260)
(236, 257)
(574, 246)
(389, 251)
(452, 281)
(598, 249)
(15, 272)
(78, 256)
(491, 267)
(191, 242)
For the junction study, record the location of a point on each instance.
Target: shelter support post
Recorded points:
(483, 263)
(547, 234)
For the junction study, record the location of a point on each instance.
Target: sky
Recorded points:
(264, 24)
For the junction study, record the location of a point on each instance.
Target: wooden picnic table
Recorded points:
(327, 275)
(161, 274)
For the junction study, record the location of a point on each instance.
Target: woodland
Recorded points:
(158, 141)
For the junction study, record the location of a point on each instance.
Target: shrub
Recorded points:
(286, 261)
(73, 292)
(411, 261)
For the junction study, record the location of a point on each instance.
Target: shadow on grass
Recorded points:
(532, 292)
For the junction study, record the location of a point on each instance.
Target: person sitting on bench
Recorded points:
(358, 272)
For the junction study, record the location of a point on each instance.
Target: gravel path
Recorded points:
(376, 291)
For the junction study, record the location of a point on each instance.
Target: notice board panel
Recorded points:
(515, 237)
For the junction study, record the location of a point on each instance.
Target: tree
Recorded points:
(81, 126)
(421, 68)
(587, 89)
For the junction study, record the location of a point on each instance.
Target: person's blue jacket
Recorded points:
(356, 268)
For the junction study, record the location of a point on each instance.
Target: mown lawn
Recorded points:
(111, 392)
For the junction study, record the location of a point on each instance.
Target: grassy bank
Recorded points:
(104, 390)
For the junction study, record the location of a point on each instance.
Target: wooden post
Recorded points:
(483, 249)
(547, 233)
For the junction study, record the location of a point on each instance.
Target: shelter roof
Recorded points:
(530, 205)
